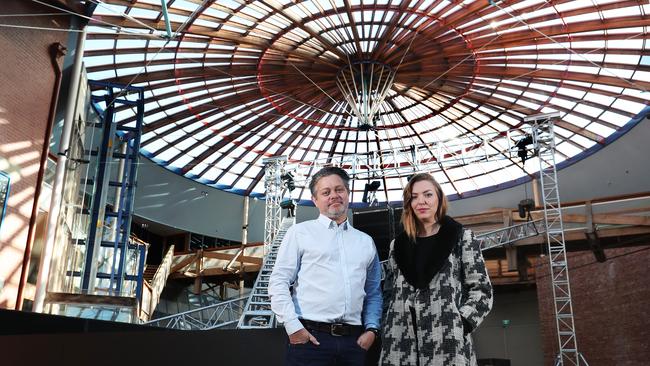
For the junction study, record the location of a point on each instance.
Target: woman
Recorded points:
(437, 290)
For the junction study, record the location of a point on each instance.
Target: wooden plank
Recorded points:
(184, 263)
(611, 219)
(219, 249)
(489, 217)
(66, 298)
(580, 235)
(228, 256)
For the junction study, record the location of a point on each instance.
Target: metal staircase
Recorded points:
(257, 313)
(214, 316)
(248, 312)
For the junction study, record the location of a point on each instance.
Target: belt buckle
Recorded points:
(337, 329)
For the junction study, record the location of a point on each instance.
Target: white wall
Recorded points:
(173, 200)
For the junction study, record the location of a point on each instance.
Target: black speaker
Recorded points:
(525, 206)
(381, 223)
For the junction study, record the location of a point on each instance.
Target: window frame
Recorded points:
(3, 206)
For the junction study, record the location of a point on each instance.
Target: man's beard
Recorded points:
(336, 212)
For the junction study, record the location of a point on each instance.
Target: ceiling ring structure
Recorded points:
(240, 81)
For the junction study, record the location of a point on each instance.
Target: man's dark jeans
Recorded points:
(332, 350)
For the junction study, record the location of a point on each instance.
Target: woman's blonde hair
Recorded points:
(409, 220)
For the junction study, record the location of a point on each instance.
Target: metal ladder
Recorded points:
(257, 313)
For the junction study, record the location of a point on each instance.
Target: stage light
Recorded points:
(369, 191)
(287, 179)
(522, 152)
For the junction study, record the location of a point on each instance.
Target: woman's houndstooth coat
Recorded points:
(459, 293)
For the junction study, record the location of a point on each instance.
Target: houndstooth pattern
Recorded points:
(458, 290)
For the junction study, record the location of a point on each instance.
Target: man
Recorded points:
(333, 314)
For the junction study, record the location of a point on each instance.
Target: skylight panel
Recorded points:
(227, 179)
(618, 73)
(109, 9)
(582, 18)
(143, 13)
(599, 129)
(641, 75)
(614, 118)
(471, 112)
(629, 11)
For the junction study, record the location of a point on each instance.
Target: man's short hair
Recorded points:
(330, 170)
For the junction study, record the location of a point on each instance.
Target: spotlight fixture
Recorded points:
(522, 152)
(287, 180)
(369, 191)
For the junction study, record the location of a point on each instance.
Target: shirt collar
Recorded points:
(331, 224)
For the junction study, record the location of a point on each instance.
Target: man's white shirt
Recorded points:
(335, 274)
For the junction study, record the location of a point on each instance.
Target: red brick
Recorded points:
(28, 79)
(610, 306)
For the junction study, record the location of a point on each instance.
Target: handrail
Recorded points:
(158, 282)
(209, 317)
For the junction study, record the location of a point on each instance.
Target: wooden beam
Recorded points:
(184, 263)
(580, 235)
(65, 298)
(489, 217)
(603, 219)
(228, 256)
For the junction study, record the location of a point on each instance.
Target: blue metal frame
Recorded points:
(3, 209)
(97, 209)
(127, 183)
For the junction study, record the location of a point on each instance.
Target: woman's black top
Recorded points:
(422, 260)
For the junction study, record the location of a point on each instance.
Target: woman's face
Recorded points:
(424, 201)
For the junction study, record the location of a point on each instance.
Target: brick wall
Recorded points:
(27, 77)
(611, 307)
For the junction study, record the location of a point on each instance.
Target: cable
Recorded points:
(518, 19)
(40, 28)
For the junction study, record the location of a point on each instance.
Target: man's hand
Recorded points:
(366, 340)
(302, 336)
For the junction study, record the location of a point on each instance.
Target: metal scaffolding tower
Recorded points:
(257, 312)
(273, 170)
(544, 146)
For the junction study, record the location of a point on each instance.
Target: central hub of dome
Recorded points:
(365, 85)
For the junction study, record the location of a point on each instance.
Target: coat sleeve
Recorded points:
(388, 276)
(477, 289)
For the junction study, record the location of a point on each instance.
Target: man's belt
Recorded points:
(335, 329)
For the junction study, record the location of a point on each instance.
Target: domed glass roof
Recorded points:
(239, 81)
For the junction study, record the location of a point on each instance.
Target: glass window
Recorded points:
(4, 193)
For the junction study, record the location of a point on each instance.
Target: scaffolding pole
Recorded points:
(544, 145)
(273, 169)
